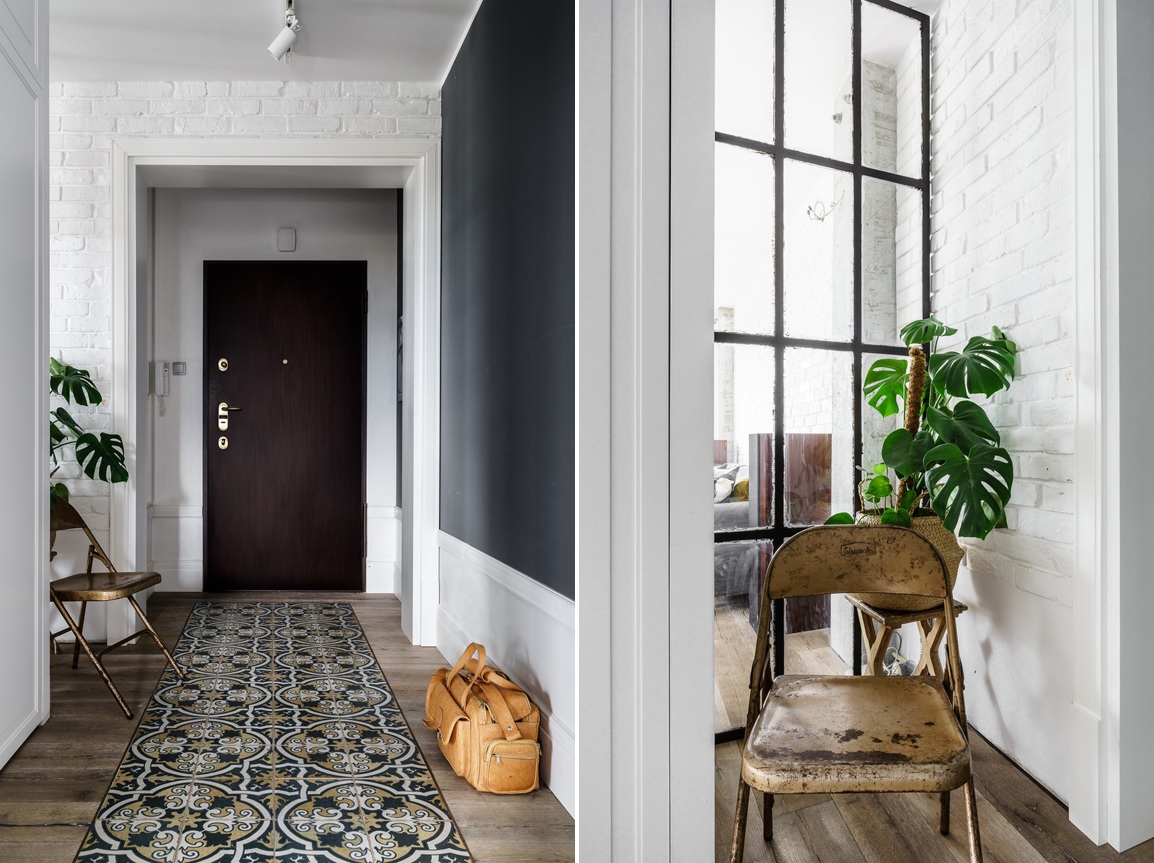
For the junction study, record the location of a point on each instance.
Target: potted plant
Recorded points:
(947, 456)
(100, 456)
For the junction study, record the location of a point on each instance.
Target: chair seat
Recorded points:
(102, 586)
(827, 734)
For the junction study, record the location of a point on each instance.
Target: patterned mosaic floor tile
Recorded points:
(324, 660)
(282, 742)
(131, 842)
(335, 697)
(311, 835)
(159, 802)
(217, 696)
(217, 659)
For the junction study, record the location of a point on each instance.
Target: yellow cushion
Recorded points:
(740, 490)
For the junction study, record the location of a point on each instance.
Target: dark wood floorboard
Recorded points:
(52, 787)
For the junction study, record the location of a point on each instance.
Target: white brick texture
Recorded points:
(1003, 233)
(85, 116)
(1002, 255)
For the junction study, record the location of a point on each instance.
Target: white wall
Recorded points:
(529, 633)
(1003, 211)
(195, 225)
(23, 348)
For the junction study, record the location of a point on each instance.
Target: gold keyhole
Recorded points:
(222, 364)
(222, 442)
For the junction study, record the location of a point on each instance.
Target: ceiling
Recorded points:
(226, 40)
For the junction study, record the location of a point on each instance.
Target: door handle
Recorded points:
(222, 415)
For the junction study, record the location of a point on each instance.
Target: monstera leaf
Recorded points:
(101, 457)
(884, 383)
(905, 452)
(969, 491)
(72, 384)
(983, 366)
(966, 425)
(920, 332)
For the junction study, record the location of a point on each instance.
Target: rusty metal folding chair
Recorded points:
(89, 586)
(828, 734)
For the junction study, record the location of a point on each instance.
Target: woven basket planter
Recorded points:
(931, 527)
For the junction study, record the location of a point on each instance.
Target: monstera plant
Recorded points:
(947, 456)
(100, 456)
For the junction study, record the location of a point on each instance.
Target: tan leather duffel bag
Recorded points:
(486, 725)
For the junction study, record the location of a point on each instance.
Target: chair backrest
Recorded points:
(857, 559)
(852, 559)
(65, 517)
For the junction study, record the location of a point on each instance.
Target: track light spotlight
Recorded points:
(282, 45)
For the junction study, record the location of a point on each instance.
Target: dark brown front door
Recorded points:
(284, 482)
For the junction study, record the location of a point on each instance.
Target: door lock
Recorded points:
(222, 416)
(222, 442)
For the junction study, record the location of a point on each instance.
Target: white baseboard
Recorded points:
(19, 734)
(178, 528)
(529, 632)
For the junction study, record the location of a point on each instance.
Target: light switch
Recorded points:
(286, 239)
(180, 368)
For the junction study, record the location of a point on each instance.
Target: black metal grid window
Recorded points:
(854, 346)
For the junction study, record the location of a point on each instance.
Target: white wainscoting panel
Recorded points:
(176, 546)
(382, 548)
(529, 633)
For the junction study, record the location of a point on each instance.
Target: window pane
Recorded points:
(818, 79)
(738, 568)
(744, 83)
(743, 241)
(819, 453)
(891, 260)
(891, 138)
(742, 436)
(819, 252)
(875, 427)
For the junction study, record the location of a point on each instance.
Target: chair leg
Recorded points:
(80, 626)
(972, 822)
(740, 816)
(767, 817)
(83, 642)
(944, 827)
(155, 637)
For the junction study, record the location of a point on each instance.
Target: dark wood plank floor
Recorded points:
(50, 790)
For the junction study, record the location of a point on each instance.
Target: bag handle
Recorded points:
(492, 675)
(477, 669)
(496, 702)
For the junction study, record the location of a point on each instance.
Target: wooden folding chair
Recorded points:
(89, 586)
(827, 734)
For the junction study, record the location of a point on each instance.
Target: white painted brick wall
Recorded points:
(1002, 254)
(86, 115)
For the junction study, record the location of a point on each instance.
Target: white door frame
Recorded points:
(1093, 749)
(420, 283)
(644, 370)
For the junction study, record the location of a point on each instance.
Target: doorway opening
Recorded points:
(144, 167)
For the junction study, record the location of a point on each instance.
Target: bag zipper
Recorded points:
(490, 754)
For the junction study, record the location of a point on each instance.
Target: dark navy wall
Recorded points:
(507, 290)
